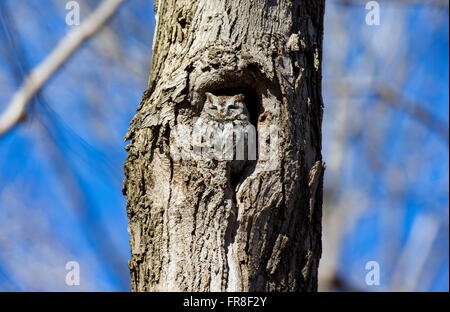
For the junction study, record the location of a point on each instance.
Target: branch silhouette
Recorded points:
(44, 71)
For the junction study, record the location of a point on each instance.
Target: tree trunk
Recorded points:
(193, 227)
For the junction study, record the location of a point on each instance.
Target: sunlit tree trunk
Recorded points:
(191, 227)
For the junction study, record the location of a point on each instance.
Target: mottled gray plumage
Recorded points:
(221, 130)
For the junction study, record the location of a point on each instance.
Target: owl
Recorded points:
(221, 130)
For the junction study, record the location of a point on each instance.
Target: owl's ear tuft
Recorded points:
(209, 96)
(239, 97)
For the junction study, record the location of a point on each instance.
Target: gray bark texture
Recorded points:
(191, 227)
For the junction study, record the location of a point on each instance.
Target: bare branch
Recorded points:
(63, 51)
(414, 110)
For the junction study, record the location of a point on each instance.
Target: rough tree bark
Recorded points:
(191, 228)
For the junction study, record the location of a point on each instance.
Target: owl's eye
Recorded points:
(232, 107)
(213, 107)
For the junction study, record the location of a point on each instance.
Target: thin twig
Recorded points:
(416, 111)
(63, 51)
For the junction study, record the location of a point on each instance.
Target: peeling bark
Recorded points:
(192, 229)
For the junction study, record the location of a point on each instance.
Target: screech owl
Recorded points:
(221, 130)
